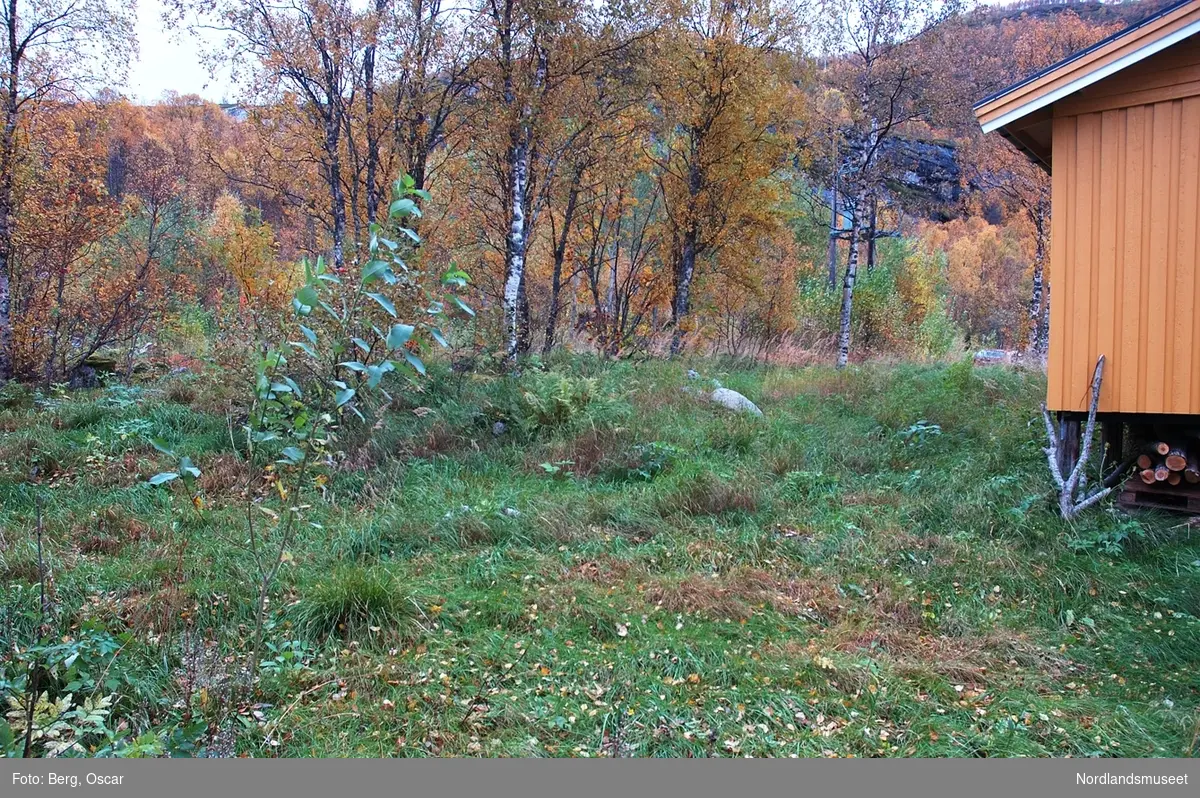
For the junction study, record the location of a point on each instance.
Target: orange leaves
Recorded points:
(987, 275)
(246, 249)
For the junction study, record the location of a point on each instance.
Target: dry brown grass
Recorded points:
(180, 392)
(891, 539)
(111, 530)
(913, 652)
(222, 475)
(700, 595)
(586, 454)
(817, 599)
(707, 494)
(787, 457)
(603, 570)
(438, 440)
(158, 611)
(565, 524)
(892, 630)
(737, 594)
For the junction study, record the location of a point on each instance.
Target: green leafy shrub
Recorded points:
(554, 401)
(1112, 536)
(647, 461)
(78, 687)
(15, 396)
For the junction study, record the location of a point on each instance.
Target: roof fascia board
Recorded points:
(1087, 79)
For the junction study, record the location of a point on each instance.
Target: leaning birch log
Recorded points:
(1073, 498)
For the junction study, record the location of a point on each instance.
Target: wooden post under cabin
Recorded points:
(1112, 442)
(1068, 444)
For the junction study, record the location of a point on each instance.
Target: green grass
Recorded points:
(874, 568)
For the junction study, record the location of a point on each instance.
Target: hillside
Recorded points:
(1123, 13)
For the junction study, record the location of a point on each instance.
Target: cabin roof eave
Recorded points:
(1123, 49)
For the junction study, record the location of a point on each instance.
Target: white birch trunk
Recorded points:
(843, 355)
(515, 268)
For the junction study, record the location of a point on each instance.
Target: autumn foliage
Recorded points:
(654, 176)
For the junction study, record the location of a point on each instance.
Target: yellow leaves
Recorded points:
(247, 251)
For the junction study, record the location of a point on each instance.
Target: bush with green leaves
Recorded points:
(647, 461)
(336, 366)
(70, 697)
(553, 401)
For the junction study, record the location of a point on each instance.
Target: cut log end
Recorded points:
(1144, 461)
(1147, 475)
(1162, 447)
(1176, 459)
(1174, 478)
(1192, 475)
(1161, 473)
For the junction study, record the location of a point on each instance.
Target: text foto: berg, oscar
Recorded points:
(64, 780)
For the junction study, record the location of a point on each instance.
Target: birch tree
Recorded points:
(531, 55)
(304, 55)
(53, 50)
(725, 106)
(887, 81)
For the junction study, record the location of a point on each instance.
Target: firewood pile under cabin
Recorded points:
(1166, 475)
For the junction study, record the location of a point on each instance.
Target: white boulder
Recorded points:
(734, 401)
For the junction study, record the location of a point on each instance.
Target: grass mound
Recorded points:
(353, 602)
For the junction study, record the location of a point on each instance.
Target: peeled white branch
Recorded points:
(1070, 502)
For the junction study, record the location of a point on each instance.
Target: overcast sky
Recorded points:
(170, 61)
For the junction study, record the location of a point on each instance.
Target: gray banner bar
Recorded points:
(599, 778)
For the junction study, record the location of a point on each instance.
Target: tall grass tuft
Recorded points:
(354, 602)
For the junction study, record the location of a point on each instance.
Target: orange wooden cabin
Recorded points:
(1118, 127)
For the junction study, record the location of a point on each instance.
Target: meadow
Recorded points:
(587, 559)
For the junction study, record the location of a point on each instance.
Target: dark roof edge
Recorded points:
(1085, 51)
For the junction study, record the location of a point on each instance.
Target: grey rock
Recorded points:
(499, 428)
(734, 401)
(693, 374)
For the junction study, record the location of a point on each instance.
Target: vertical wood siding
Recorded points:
(1123, 260)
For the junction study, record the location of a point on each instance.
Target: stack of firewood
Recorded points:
(1169, 463)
